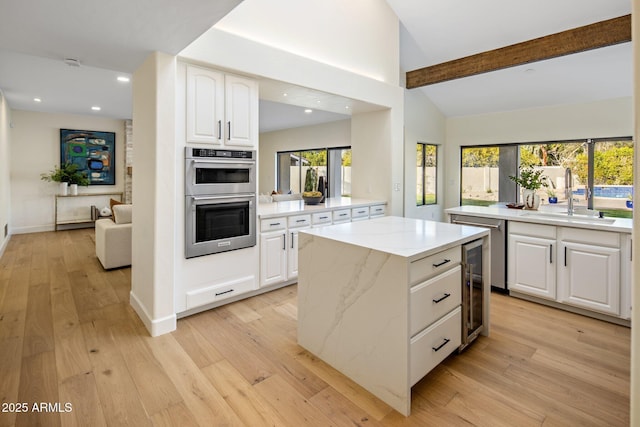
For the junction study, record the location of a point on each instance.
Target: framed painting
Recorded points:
(93, 151)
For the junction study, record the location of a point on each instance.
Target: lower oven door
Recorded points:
(219, 223)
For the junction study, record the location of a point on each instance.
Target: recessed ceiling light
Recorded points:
(308, 111)
(95, 108)
(37, 100)
(124, 79)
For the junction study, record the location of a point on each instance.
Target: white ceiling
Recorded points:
(436, 31)
(113, 38)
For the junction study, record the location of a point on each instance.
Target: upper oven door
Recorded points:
(219, 176)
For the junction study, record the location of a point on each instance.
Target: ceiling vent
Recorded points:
(72, 62)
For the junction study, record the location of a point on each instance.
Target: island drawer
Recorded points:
(272, 224)
(296, 221)
(427, 267)
(434, 344)
(432, 299)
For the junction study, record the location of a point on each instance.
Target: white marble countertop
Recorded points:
(620, 225)
(405, 237)
(269, 210)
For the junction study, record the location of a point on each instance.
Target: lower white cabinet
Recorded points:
(531, 265)
(590, 277)
(273, 257)
(573, 266)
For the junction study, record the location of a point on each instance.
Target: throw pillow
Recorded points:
(113, 202)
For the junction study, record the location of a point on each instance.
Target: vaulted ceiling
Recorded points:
(112, 38)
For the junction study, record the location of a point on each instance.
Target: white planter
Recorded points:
(73, 189)
(64, 188)
(530, 199)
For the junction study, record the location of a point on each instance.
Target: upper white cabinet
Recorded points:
(222, 109)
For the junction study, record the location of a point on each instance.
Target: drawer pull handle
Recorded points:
(273, 224)
(222, 293)
(301, 220)
(440, 264)
(446, 341)
(324, 217)
(446, 295)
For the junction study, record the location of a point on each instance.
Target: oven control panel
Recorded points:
(212, 153)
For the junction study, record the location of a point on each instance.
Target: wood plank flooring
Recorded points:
(70, 340)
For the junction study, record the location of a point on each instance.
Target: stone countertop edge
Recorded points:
(293, 207)
(409, 238)
(621, 225)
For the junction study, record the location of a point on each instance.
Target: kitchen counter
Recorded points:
(404, 237)
(274, 209)
(368, 295)
(620, 225)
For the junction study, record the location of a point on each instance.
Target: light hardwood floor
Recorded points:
(69, 336)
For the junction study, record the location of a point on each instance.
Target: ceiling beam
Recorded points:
(593, 36)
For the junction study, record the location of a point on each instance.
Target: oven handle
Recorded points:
(230, 196)
(225, 161)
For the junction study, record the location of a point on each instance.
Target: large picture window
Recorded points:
(426, 174)
(602, 173)
(332, 167)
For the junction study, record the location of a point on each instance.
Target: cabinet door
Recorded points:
(273, 258)
(292, 255)
(241, 111)
(531, 266)
(589, 277)
(205, 105)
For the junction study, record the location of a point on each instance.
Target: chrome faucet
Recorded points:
(568, 190)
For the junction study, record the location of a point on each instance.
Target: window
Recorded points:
(332, 167)
(602, 172)
(426, 173)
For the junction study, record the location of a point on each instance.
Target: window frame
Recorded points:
(421, 200)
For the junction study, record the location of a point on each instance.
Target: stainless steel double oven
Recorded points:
(220, 200)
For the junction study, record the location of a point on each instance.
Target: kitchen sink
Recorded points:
(576, 218)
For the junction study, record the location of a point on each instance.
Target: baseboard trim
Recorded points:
(4, 245)
(155, 327)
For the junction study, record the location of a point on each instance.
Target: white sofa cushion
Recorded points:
(113, 243)
(122, 213)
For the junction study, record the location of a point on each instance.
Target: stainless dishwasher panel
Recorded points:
(498, 229)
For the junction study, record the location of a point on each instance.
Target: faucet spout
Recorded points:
(568, 189)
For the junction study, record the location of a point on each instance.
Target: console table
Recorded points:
(59, 199)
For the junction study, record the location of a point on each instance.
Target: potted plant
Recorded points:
(67, 174)
(530, 180)
(552, 196)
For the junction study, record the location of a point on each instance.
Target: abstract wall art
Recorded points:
(93, 151)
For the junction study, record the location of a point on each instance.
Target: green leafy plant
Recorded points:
(530, 178)
(551, 192)
(66, 173)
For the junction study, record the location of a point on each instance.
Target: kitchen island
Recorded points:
(365, 305)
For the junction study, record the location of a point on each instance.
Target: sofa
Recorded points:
(113, 238)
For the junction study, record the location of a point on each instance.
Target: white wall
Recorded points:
(635, 315)
(423, 122)
(608, 118)
(359, 36)
(333, 134)
(35, 149)
(5, 166)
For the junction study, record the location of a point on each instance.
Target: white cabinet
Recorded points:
(572, 266)
(589, 274)
(279, 248)
(222, 109)
(273, 251)
(531, 265)
(341, 215)
(273, 257)
(377, 210)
